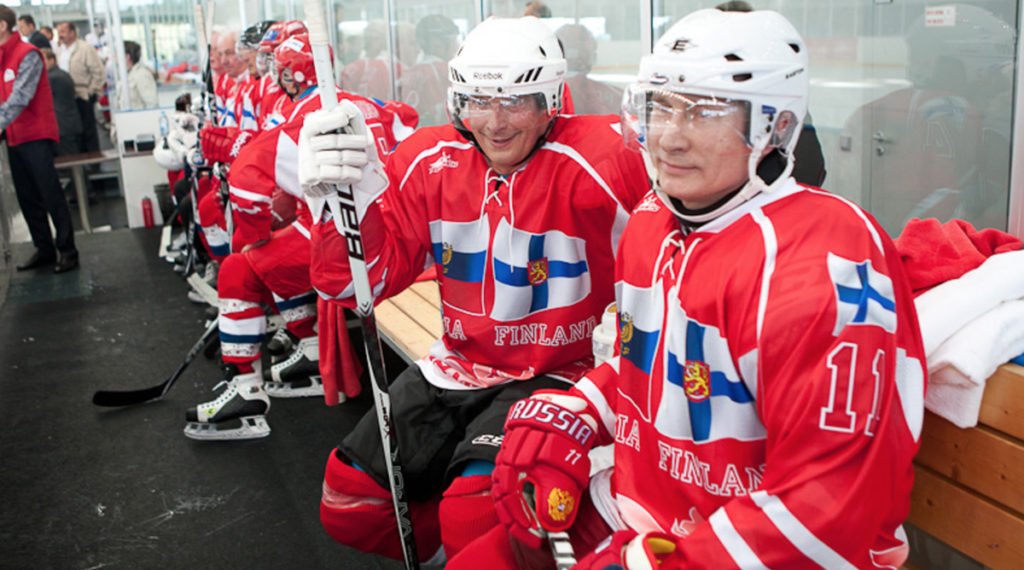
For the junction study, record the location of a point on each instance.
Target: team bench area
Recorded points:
(969, 483)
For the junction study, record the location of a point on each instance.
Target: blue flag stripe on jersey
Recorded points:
(862, 296)
(463, 266)
(640, 348)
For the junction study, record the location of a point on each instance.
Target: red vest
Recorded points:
(37, 120)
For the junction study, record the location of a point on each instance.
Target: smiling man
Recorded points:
(519, 209)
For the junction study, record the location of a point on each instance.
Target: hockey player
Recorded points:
(272, 266)
(221, 143)
(767, 399)
(273, 100)
(519, 209)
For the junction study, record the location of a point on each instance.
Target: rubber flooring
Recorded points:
(83, 487)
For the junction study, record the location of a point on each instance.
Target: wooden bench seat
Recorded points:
(969, 483)
(411, 322)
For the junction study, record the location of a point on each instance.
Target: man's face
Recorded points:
(65, 34)
(506, 128)
(698, 146)
(25, 29)
(229, 61)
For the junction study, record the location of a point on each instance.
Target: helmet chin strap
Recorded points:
(755, 185)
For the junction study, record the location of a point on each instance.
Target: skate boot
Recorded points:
(238, 413)
(280, 345)
(299, 375)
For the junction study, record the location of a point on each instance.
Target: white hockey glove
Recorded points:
(330, 158)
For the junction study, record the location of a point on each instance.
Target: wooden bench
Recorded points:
(411, 322)
(969, 483)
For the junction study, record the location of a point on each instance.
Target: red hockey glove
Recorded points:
(222, 144)
(545, 445)
(626, 549)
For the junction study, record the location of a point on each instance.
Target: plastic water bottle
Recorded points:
(605, 335)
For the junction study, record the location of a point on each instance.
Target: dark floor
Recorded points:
(85, 488)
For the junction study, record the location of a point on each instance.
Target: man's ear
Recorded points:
(785, 126)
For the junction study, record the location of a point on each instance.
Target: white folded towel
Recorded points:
(959, 367)
(946, 308)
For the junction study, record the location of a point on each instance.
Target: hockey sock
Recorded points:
(299, 313)
(214, 226)
(466, 512)
(357, 512)
(242, 322)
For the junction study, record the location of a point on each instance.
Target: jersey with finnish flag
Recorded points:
(271, 161)
(524, 261)
(768, 396)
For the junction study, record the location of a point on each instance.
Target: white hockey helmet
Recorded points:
(754, 57)
(507, 57)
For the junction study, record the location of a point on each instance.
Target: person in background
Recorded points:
(141, 79)
(48, 32)
(63, 89)
(537, 9)
(28, 31)
(78, 58)
(29, 124)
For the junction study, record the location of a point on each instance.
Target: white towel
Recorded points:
(946, 308)
(959, 367)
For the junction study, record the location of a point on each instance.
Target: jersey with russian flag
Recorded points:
(768, 397)
(524, 261)
(271, 161)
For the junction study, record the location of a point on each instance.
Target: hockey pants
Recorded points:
(358, 512)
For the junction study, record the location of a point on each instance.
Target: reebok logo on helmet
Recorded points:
(487, 75)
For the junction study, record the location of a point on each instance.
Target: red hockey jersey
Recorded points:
(768, 397)
(524, 261)
(271, 160)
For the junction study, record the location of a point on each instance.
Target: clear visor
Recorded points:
(478, 109)
(649, 113)
(265, 64)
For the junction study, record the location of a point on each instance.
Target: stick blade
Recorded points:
(118, 398)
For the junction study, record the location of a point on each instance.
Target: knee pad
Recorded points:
(357, 512)
(237, 280)
(466, 512)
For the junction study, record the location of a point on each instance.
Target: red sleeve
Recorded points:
(252, 182)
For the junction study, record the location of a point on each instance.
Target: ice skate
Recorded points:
(297, 376)
(280, 345)
(238, 413)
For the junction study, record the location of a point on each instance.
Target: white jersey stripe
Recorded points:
(592, 393)
(738, 549)
(856, 210)
(250, 196)
(794, 530)
(771, 250)
(430, 152)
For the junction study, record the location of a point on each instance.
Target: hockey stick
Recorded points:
(343, 208)
(115, 398)
(561, 547)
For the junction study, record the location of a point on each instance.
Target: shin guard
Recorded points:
(357, 512)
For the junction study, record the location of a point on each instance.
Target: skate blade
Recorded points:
(251, 427)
